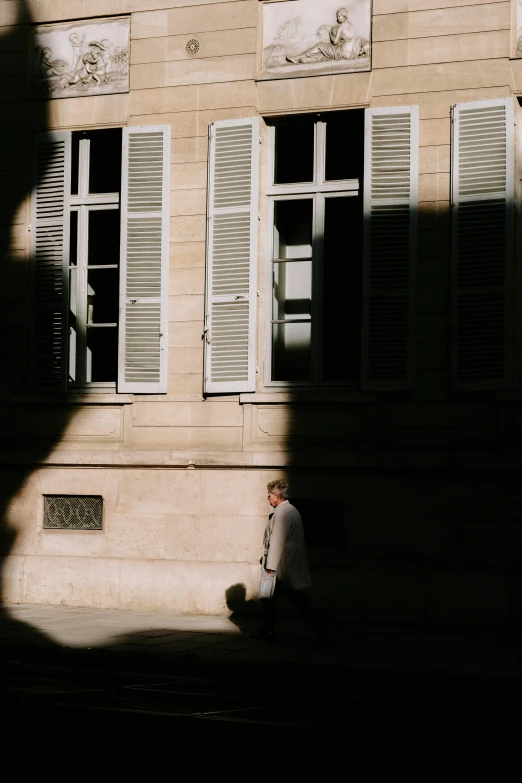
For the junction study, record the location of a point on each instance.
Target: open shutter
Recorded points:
(232, 216)
(483, 198)
(391, 169)
(50, 256)
(144, 260)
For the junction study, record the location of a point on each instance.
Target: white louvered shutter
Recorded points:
(483, 197)
(232, 215)
(391, 172)
(50, 256)
(144, 260)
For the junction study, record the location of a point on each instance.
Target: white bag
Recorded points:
(267, 584)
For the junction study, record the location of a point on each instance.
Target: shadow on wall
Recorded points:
(392, 546)
(386, 543)
(21, 118)
(408, 515)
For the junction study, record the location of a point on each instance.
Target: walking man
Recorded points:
(285, 553)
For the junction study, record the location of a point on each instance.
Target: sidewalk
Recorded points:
(223, 641)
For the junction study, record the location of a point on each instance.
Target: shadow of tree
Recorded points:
(21, 117)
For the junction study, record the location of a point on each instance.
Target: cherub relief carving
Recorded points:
(93, 65)
(100, 65)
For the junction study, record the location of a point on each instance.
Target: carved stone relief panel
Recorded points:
(92, 423)
(304, 427)
(305, 37)
(81, 58)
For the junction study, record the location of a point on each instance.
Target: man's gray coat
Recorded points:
(284, 540)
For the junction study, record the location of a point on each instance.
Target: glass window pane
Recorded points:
(344, 145)
(102, 354)
(294, 153)
(105, 161)
(75, 162)
(73, 239)
(293, 229)
(342, 289)
(102, 296)
(104, 236)
(291, 352)
(292, 291)
(341, 349)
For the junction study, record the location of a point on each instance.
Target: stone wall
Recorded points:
(385, 546)
(175, 537)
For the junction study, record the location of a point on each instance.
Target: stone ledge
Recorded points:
(126, 459)
(91, 398)
(278, 397)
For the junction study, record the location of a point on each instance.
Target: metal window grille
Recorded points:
(73, 512)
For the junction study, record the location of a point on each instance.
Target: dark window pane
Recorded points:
(75, 156)
(341, 349)
(105, 161)
(73, 241)
(104, 236)
(342, 289)
(293, 229)
(102, 296)
(291, 351)
(342, 226)
(344, 145)
(102, 354)
(294, 153)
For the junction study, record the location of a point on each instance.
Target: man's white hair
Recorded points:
(278, 487)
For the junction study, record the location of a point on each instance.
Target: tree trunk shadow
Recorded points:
(21, 117)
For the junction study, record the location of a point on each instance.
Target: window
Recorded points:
(341, 263)
(94, 254)
(316, 248)
(100, 252)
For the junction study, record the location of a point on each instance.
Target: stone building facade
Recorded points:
(237, 247)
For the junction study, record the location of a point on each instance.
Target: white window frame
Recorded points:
(83, 203)
(144, 201)
(318, 191)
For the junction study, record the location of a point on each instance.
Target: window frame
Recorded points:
(318, 191)
(144, 207)
(83, 203)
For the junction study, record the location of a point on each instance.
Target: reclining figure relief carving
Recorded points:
(291, 43)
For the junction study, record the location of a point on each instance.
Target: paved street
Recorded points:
(72, 672)
(223, 640)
